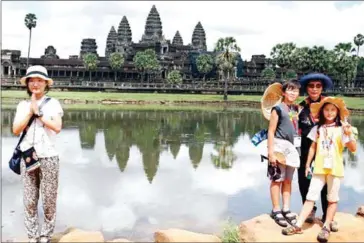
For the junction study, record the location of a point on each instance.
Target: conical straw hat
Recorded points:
(272, 96)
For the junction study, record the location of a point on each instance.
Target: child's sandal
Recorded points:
(292, 230)
(290, 217)
(279, 218)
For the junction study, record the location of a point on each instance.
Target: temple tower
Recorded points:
(177, 39)
(88, 45)
(199, 38)
(124, 31)
(153, 27)
(111, 42)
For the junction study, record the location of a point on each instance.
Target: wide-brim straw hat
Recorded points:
(325, 80)
(272, 96)
(338, 102)
(36, 71)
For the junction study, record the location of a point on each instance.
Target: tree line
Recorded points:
(342, 62)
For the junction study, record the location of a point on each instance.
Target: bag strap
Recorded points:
(45, 101)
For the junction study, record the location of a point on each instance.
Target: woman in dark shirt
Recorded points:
(313, 84)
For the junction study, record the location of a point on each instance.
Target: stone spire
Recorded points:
(177, 39)
(111, 42)
(199, 37)
(124, 31)
(153, 27)
(88, 45)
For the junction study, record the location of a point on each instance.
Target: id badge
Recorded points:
(328, 163)
(297, 141)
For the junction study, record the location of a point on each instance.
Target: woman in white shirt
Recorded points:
(42, 176)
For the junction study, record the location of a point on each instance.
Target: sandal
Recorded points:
(292, 230)
(290, 217)
(279, 218)
(324, 234)
(334, 227)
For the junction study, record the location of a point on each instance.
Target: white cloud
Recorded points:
(256, 25)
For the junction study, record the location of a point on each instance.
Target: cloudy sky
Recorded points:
(257, 26)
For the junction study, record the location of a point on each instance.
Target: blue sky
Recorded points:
(256, 25)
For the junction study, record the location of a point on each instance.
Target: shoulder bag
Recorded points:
(15, 160)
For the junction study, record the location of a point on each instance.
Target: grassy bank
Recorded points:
(9, 97)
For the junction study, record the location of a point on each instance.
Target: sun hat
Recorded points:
(338, 102)
(326, 81)
(272, 96)
(38, 72)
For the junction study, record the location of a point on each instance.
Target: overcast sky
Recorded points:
(257, 26)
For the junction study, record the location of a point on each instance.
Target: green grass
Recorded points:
(98, 96)
(230, 232)
(8, 96)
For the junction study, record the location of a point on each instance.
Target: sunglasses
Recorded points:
(317, 86)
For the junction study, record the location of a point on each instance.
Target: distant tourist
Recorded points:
(282, 131)
(313, 84)
(329, 137)
(41, 118)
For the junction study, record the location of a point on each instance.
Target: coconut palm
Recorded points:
(226, 60)
(90, 62)
(30, 22)
(358, 41)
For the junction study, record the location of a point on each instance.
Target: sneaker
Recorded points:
(311, 217)
(33, 240)
(334, 226)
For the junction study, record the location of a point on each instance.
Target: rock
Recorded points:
(57, 236)
(360, 211)
(78, 235)
(119, 240)
(178, 235)
(264, 229)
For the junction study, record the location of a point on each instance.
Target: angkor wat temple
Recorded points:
(171, 54)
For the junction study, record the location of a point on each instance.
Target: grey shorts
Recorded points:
(286, 173)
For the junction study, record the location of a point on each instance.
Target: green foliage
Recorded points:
(290, 74)
(358, 41)
(361, 64)
(30, 21)
(174, 77)
(268, 73)
(90, 61)
(116, 61)
(338, 62)
(146, 60)
(204, 64)
(282, 54)
(230, 232)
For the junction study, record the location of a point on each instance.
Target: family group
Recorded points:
(310, 136)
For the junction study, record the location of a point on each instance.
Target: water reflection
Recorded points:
(132, 172)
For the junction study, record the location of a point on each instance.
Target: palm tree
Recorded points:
(90, 62)
(226, 59)
(30, 22)
(358, 41)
